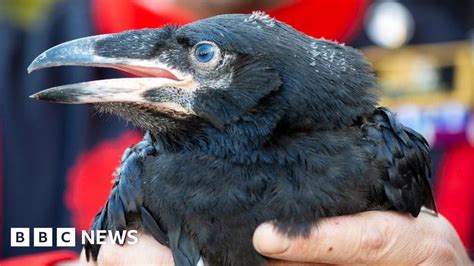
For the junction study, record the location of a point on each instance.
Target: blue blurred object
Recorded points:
(442, 125)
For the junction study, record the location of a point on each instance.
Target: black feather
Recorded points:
(124, 208)
(185, 251)
(407, 185)
(153, 228)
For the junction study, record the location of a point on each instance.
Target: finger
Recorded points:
(147, 251)
(362, 238)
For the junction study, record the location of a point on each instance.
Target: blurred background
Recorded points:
(56, 162)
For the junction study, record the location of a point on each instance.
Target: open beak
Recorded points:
(153, 75)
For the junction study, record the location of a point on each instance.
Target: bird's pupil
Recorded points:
(204, 52)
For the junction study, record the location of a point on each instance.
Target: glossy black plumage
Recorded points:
(283, 128)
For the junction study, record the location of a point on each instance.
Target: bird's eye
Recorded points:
(206, 54)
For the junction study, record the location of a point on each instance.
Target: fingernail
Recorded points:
(267, 240)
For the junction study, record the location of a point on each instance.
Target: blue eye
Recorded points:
(204, 52)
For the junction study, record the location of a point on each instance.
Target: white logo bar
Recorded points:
(66, 237)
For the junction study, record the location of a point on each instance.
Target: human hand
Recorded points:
(366, 238)
(372, 237)
(146, 252)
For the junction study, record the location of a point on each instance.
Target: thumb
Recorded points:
(362, 238)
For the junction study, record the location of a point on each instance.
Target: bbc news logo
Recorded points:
(66, 237)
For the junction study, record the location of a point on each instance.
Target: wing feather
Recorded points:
(404, 156)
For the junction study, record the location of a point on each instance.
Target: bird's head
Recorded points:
(216, 72)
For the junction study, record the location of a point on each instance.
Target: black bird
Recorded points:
(249, 121)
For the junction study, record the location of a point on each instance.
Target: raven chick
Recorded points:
(250, 121)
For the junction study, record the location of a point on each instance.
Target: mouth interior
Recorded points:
(150, 72)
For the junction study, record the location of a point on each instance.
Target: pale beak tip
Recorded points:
(41, 61)
(33, 66)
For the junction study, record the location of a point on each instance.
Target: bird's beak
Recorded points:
(153, 74)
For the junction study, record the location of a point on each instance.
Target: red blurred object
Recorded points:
(41, 259)
(454, 190)
(332, 19)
